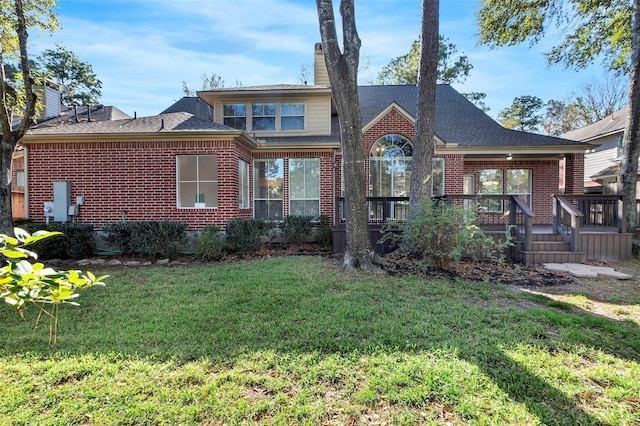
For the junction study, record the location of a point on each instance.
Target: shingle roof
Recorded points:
(71, 115)
(172, 122)
(458, 120)
(614, 123)
(193, 105)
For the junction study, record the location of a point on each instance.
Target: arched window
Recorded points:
(390, 165)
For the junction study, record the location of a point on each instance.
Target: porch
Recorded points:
(584, 228)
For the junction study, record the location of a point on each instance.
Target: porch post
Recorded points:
(574, 174)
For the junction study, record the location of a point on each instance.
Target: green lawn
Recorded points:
(289, 341)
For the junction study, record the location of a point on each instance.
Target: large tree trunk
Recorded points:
(421, 169)
(628, 172)
(422, 165)
(342, 68)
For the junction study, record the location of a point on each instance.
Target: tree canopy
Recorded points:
(523, 114)
(80, 85)
(404, 69)
(591, 29)
(17, 99)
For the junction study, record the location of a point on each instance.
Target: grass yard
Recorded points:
(288, 340)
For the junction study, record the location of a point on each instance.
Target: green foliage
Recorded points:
(404, 68)
(149, 238)
(635, 247)
(296, 228)
(523, 114)
(74, 241)
(211, 245)
(78, 77)
(324, 233)
(441, 234)
(245, 235)
(22, 282)
(589, 30)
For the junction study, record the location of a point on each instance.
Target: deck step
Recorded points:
(536, 257)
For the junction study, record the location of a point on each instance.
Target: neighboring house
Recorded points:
(602, 160)
(273, 151)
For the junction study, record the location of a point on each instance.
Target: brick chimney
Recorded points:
(320, 74)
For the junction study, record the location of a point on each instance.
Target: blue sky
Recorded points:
(142, 50)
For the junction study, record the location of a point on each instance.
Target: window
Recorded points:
(390, 168)
(490, 183)
(264, 116)
(292, 116)
(619, 140)
(20, 179)
(516, 182)
(243, 184)
(304, 187)
(519, 183)
(235, 115)
(267, 188)
(197, 181)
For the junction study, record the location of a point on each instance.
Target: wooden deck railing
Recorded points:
(492, 212)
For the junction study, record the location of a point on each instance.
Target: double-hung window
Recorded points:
(490, 183)
(264, 116)
(519, 183)
(268, 180)
(304, 187)
(197, 180)
(292, 116)
(243, 184)
(504, 182)
(235, 115)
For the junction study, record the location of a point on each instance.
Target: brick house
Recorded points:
(273, 151)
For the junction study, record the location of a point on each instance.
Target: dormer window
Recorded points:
(264, 116)
(235, 115)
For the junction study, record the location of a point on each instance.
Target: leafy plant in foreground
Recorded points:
(23, 282)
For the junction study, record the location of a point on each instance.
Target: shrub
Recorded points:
(76, 241)
(25, 283)
(635, 247)
(441, 234)
(149, 238)
(296, 228)
(245, 235)
(324, 233)
(211, 245)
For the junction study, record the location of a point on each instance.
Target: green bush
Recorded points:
(245, 235)
(76, 242)
(635, 247)
(296, 228)
(211, 245)
(441, 234)
(149, 238)
(324, 233)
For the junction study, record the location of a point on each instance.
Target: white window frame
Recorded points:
(256, 190)
(306, 190)
(235, 117)
(244, 185)
(283, 115)
(263, 107)
(200, 201)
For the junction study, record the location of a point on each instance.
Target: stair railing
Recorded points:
(567, 220)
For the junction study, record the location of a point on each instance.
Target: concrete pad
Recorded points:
(580, 270)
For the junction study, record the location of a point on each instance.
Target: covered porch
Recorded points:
(583, 228)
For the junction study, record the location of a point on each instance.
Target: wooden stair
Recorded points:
(546, 248)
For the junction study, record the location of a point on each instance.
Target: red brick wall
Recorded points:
(139, 179)
(574, 174)
(544, 177)
(134, 178)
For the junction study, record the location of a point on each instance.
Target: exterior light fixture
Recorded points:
(509, 157)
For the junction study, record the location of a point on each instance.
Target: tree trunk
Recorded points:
(423, 139)
(342, 68)
(628, 172)
(10, 137)
(422, 166)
